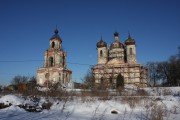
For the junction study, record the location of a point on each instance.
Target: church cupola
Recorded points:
(116, 36)
(130, 50)
(116, 43)
(116, 49)
(130, 41)
(54, 69)
(101, 43)
(56, 35)
(102, 52)
(55, 40)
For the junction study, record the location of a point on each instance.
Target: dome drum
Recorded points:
(130, 43)
(117, 44)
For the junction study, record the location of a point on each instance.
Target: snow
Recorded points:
(43, 89)
(14, 100)
(156, 91)
(91, 108)
(13, 108)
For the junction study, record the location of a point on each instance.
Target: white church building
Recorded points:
(54, 69)
(119, 58)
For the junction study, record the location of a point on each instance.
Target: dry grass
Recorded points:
(166, 91)
(101, 94)
(131, 101)
(137, 98)
(156, 112)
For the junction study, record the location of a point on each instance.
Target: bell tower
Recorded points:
(55, 40)
(130, 50)
(54, 69)
(55, 56)
(102, 52)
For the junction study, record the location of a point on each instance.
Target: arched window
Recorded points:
(101, 53)
(47, 75)
(102, 80)
(61, 60)
(119, 81)
(110, 80)
(67, 77)
(63, 78)
(53, 44)
(51, 61)
(59, 77)
(131, 52)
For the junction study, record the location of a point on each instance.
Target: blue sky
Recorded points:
(27, 25)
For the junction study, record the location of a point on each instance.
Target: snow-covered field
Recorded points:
(159, 105)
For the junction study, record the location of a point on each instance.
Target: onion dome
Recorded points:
(56, 35)
(101, 43)
(116, 43)
(116, 34)
(130, 41)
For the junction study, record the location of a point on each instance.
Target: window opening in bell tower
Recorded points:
(130, 51)
(53, 44)
(102, 80)
(101, 53)
(51, 61)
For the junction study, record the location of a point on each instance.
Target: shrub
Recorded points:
(166, 91)
(46, 105)
(2, 105)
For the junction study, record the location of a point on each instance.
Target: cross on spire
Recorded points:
(56, 30)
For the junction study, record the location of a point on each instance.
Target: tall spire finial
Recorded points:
(101, 37)
(56, 30)
(129, 36)
(116, 34)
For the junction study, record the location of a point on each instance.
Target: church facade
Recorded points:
(118, 59)
(54, 69)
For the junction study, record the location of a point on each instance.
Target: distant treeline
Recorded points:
(165, 73)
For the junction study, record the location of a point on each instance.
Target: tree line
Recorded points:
(21, 84)
(165, 73)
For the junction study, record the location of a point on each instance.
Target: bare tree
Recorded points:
(163, 72)
(152, 72)
(168, 72)
(1, 88)
(89, 80)
(174, 70)
(31, 84)
(19, 79)
(178, 55)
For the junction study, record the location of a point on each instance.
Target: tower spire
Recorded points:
(129, 36)
(56, 30)
(116, 36)
(101, 37)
